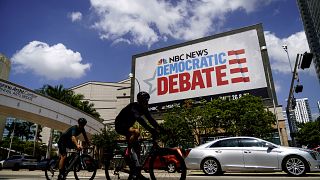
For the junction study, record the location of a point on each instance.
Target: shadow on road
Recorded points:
(256, 174)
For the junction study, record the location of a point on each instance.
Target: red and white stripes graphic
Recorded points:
(238, 61)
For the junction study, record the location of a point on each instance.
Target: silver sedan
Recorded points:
(245, 154)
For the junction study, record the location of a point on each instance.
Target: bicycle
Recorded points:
(80, 162)
(157, 162)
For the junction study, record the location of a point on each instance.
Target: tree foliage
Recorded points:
(106, 139)
(25, 147)
(69, 97)
(245, 116)
(309, 133)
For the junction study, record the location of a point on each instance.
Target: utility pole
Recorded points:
(304, 60)
(289, 109)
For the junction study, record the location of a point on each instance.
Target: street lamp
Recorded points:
(285, 48)
(264, 48)
(131, 76)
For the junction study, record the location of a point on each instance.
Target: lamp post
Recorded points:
(285, 48)
(35, 141)
(14, 127)
(131, 76)
(264, 48)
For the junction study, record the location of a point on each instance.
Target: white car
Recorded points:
(245, 154)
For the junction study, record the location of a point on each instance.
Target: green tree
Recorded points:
(309, 133)
(179, 133)
(26, 130)
(69, 97)
(105, 143)
(245, 116)
(106, 139)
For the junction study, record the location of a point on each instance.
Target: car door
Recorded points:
(9, 163)
(258, 156)
(228, 153)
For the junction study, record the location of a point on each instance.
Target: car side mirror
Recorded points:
(270, 146)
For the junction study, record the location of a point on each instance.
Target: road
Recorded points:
(31, 175)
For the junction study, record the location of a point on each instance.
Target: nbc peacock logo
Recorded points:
(162, 61)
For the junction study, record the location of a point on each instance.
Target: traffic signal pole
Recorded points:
(289, 109)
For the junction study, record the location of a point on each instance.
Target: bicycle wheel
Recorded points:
(116, 167)
(52, 169)
(86, 168)
(167, 164)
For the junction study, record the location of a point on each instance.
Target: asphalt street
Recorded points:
(192, 175)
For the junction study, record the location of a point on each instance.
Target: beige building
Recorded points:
(5, 66)
(108, 98)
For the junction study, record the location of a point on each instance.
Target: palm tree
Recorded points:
(69, 97)
(26, 130)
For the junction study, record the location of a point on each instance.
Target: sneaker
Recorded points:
(60, 177)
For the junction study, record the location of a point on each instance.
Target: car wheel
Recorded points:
(295, 166)
(15, 167)
(171, 167)
(0, 167)
(211, 166)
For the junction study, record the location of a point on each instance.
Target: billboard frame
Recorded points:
(264, 55)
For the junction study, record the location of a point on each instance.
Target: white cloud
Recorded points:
(75, 16)
(146, 22)
(52, 62)
(277, 86)
(296, 43)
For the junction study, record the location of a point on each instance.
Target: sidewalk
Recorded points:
(4, 172)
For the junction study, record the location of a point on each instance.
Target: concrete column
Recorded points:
(2, 125)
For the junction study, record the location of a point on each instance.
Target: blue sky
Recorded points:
(75, 41)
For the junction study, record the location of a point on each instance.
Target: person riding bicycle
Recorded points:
(68, 140)
(124, 125)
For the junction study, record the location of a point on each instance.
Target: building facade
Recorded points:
(108, 98)
(302, 111)
(310, 14)
(5, 66)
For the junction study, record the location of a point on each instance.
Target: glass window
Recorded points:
(252, 143)
(28, 157)
(15, 157)
(226, 143)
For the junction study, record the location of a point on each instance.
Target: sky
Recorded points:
(72, 42)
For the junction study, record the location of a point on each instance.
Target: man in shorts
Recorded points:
(68, 140)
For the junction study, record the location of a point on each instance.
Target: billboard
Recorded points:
(228, 64)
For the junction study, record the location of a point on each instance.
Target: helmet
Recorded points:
(143, 96)
(82, 121)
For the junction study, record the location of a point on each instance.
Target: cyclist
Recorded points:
(68, 140)
(124, 125)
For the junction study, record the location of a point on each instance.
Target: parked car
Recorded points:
(169, 162)
(17, 162)
(251, 154)
(317, 149)
(42, 164)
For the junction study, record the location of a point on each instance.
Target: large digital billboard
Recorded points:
(230, 63)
